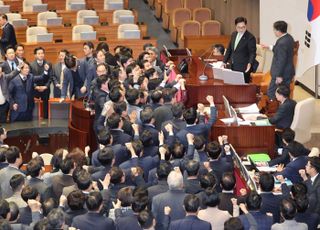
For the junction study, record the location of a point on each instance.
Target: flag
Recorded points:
(309, 50)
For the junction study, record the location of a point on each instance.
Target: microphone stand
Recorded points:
(203, 76)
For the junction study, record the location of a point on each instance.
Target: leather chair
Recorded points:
(32, 32)
(82, 13)
(178, 17)
(210, 27)
(122, 28)
(76, 30)
(117, 13)
(168, 7)
(192, 4)
(201, 14)
(189, 27)
(43, 16)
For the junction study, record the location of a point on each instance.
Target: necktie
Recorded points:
(12, 66)
(237, 40)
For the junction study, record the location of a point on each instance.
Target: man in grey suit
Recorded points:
(173, 198)
(57, 73)
(14, 159)
(282, 69)
(288, 211)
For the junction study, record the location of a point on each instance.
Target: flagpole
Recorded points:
(316, 73)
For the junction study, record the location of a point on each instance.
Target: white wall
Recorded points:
(294, 12)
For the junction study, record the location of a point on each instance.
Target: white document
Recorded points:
(230, 120)
(267, 169)
(249, 109)
(250, 117)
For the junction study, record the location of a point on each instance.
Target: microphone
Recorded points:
(167, 51)
(205, 52)
(203, 76)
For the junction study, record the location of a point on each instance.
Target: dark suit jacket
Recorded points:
(153, 131)
(159, 188)
(119, 137)
(225, 202)
(162, 114)
(314, 194)
(291, 171)
(244, 53)
(70, 214)
(99, 100)
(192, 186)
(41, 187)
(8, 37)
(190, 223)
(36, 70)
(7, 76)
(126, 220)
(121, 154)
(61, 181)
(282, 62)
(111, 60)
(84, 72)
(264, 222)
(55, 78)
(284, 115)
(25, 215)
(309, 218)
(92, 220)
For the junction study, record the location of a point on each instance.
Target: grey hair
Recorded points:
(154, 49)
(56, 218)
(175, 180)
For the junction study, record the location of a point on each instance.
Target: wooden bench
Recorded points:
(76, 47)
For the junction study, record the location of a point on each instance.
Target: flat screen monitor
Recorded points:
(4, 9)
(88, 35)
(131, 34)
(91, 20)
(45, 37)
(233, 77)
(227, 107)
(39, 7)
(54, 21)
(234, 115)
(126, 19)
(20, 22)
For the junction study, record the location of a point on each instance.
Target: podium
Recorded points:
(80, 127)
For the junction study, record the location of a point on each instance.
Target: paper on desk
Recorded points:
(249, 109)
(217, 64)
(230, 120)
(250, 117)
(244, 122)
(267, 169)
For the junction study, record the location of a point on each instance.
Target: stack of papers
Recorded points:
(230, 120)
(249, 109)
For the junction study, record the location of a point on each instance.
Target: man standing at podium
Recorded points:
(241, 51)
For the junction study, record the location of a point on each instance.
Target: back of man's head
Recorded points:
(192, 167)
(48, 205)
(288, 135)
(228, 181)
(167, 95)
(16, 182)
(164, 170)
(132, 95)
(67, 165)
(190, 116)
(207, 181)
(29, 193)
(288, 209)
(145, 219)
(266, 182)
(191, 203)
(14, 211)
(34, 168)
(175, 180)
(106, 156)
(146, 115)
(83, 180)
(298, 189)
(113, 121)
(177, 109)
(302, 203)
(146, 138)
(70, 61)
(283, 90)
(295, 149)
(76, 200)
(234, 223)
(116, 175)
(94, 201)
(213, 149)
(4, 209)
(125, 196)
(104, 137)
(12, 154)
(56, 219)
(253, 201)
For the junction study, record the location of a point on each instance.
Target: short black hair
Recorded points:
(12, 154)
(220, 48)
(102, 46)
(167, 94)
(76, 200)
(191, 203)
(116, 175)
(177, 109)
(288, 209)
(288, 135)
(70, 61)
(83, 179)
(37, 49)
(94, 200)
(192, 167)
(125, 196)
(14, 211)
(66, 165)
(295, 148)
(147, 45)
(207, 181)
(120, 107)
(190, 115)
(178, 150)
(149, 72)
(16, 181)
(8, 48)
(48, 205)
(199, 142)
(4, 16)
(299, 189)
(56, 219)
(29, 193)
(4, 208)
(146, 115)
(239, 20)
(146, 138)
(105, 156)
(211, 198)
(104, 136)
(34, 168)
(234, 223)
(19, 45)
(113, 121)
(115, 93)
(163, 170)
(315, 162)
(281, 26)
(3, 154)
(266, 181)
(89, 44)
(156, 96)
(283, 90)
(213, 149)
(145, 219)
(102, 79)
(132, 95)
(137, 146)
(253, 201)
(228, 181)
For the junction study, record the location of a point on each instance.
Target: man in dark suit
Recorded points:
(163, 171)
(192, 183)
(28, 193)
(21, 92)
(75, 201)
(303, 214)
(282, 68)
(115, 124)
(147, 120)
(191, 221)
(93, 219)
(177, 121)
(313, 183)
(241, 51)
(57, 73)
(106, 159)
(42, 88)
(164, 112)
(8, 34)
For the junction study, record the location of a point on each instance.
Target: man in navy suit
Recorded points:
(241, 51)
(191, 221)
(147, 120)
(201, 128)
(115, 124)
(8, 34)
(21, 92)
(75, 76)
(282, 68)
(93, 219)
(298, 161)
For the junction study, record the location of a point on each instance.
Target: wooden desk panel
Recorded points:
(15, 5)
(75, 48)
(99, 4)
(199, 44)
(65, 33)
(55, 4)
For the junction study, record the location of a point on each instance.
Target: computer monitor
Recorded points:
(226, 106)
(217, 73)
(233, 77)
(126, 19)
(132, 34)
(39, 7)
(234, 115)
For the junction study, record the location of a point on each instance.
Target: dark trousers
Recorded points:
(44, 96)
(56, 92)
(22, 116)
(4, 109)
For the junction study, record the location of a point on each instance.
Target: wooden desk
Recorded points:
(75, 47)
(199, 44)
(80, 127)
(70, 17)
(15, 5)
(65, 33)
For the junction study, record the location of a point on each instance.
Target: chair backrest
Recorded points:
(32, 33)
(113, 4)
(260, 57)
(192, 4)
(82, 13)
(190, 27)
(43, 16)
(46, 158)
(68, 3)
(170, 5)
(117, 13)
(76, 30)
(122, 28)
(211, 27)
(302, 119)
(201, 14)
(180, 15)
(1, 3)
(13, 16)
(27, 4)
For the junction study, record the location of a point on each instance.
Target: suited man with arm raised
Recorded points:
(241, 51)
(282, 69)
(8, 34)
